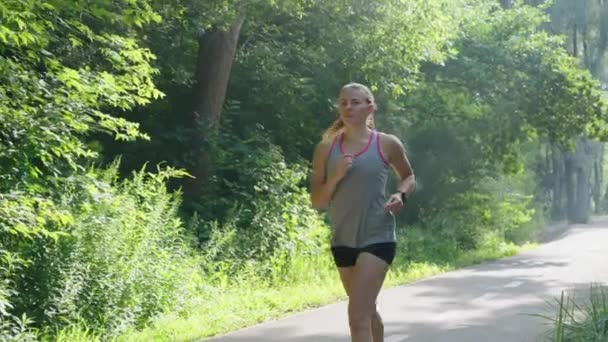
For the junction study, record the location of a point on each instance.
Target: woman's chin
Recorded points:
(350, 121)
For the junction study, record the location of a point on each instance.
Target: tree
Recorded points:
(586, 38)
(64, 67)
(60, 72)
(506, 3)
(211, 31)
(292, 57)
(509, 84)
(216, 50)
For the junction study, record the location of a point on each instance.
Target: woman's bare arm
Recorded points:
(322, 188)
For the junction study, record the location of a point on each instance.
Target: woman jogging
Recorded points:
(350, 171)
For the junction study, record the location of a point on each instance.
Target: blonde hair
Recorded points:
(337, 126)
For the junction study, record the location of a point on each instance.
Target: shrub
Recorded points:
(118, 258)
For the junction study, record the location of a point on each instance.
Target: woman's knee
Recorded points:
(360, 315)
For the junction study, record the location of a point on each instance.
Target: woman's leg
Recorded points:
(377, 324)
(364, 283)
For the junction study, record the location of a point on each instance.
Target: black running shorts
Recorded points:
(347, 256)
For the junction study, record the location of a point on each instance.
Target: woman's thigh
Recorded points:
(365, 280)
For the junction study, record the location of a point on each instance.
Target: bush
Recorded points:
(269, 228)
(467, 221)
(27, 220)
(256, 209)
(117, 259)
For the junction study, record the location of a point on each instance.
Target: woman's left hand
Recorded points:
(394, 203)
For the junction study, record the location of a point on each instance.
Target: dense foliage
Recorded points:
(94, 95)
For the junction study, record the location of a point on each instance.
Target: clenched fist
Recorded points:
(343, 166)
(394, 203)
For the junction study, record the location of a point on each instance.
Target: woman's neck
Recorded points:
(356, 133)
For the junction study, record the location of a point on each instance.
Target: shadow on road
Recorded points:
(496, 301)
(441, 307)
(279, 334)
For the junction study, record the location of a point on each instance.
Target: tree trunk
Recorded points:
(582, 208)
(579, 165)
(569, 177)
(559, 184)
(602, 41)
(574, 41)
(216, 51)
(506, 3)
(598, 172)
(586, 54)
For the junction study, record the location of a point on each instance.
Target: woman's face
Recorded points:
(354, 107)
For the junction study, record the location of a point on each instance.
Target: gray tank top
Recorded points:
(356, 209)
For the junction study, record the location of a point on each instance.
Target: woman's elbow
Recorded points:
(412, 180)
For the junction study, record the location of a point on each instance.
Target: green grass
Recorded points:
(581, 315)
(249, 298)
(313, 282)
(252, 301)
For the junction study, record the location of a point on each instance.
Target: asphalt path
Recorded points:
(495, 301)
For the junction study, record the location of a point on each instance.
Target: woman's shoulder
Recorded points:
(388, 139)
(323, 147)
(390, 145)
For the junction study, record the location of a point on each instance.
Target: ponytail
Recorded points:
(371, 124)
(337, 126)
(333, 130)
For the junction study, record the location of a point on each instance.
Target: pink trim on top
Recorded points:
(380, 150)
(369, 142)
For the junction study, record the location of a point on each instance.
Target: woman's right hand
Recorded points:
(343, 166)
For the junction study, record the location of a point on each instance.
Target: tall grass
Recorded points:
(122, 258)
(581, 315)
(231, 302)
(311, 281)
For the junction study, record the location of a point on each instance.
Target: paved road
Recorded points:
(487, 302)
